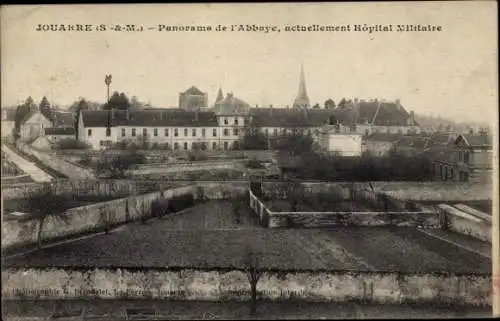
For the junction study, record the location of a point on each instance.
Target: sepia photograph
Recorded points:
(250, 161)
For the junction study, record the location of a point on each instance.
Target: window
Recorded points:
(144, 132)
(214, 145)
(89, 132)
(176, 146)
(466, 157)
(155, 131)
(185, 146)
(185, 132)
(275, 132)
(236, 132)
(245, 121)
(193, 145)
(193, 132)
(266, 131)
(225, 145)
(203, 132)
(123, 132)
(226, 121)
(236, 120)
(176, 132)
(166, 132)
(214, 132)
(133, 132)
(226, 132)
(203, 146)
(452, 176)
(105, 143)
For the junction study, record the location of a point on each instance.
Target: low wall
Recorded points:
(100, 187)
(232, 284)
(97, 217)
(268, 218)
(465, 223)
(175, 168)
(51, 160)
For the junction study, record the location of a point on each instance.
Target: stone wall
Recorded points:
(51, 160)
(100, 216)
(402, 218)
(101, 187)
(464, 223)
(85, 219)
(232, 284)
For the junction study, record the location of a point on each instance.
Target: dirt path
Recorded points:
(28, 167)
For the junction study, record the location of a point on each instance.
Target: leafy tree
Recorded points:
(342, 103)
(329, 104)
(135, 103)
(45, 108)
(253, 138)
(116, 165)
(118, 101)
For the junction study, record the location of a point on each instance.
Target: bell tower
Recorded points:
(302, 100)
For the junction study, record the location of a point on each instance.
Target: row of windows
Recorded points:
(236, 121)
(166, 132)
(448, 173)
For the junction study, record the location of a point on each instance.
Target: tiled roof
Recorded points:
(60, 131)
(284, 117)
(383, 137)
(439, 140)
(150, 118)
(478, 140)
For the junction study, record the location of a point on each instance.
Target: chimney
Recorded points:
(271, 106)
(257, 106)
(398, 102)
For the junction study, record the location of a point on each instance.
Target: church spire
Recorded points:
(220, 96)
(302, 100)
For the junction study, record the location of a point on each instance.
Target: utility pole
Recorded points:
(107, 81)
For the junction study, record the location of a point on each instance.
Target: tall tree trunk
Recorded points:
(253, 301)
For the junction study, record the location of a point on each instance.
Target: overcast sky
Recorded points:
(452, 73)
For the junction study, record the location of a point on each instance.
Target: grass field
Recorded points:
(207, 236)
(201, 310)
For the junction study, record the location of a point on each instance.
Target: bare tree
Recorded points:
(42, 205)
(253, 272)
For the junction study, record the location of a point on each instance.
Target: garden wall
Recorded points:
(97, 217)
(232, 284)
(268, 218)
(464, 223)
(51, 160)
(101, 187)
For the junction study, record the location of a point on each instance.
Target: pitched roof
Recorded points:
(478, 140)
(194, 91)
(150, 118)
(231, 105)
(63, 118)
(383, 137)
(284, 117)
(31, 113)
(439, 140)
(60, 131)
(382, 113)
(441, 155)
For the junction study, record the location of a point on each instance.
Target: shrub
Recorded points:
(197, 155)
(254, 164)
(71, 143)
(178, 203)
